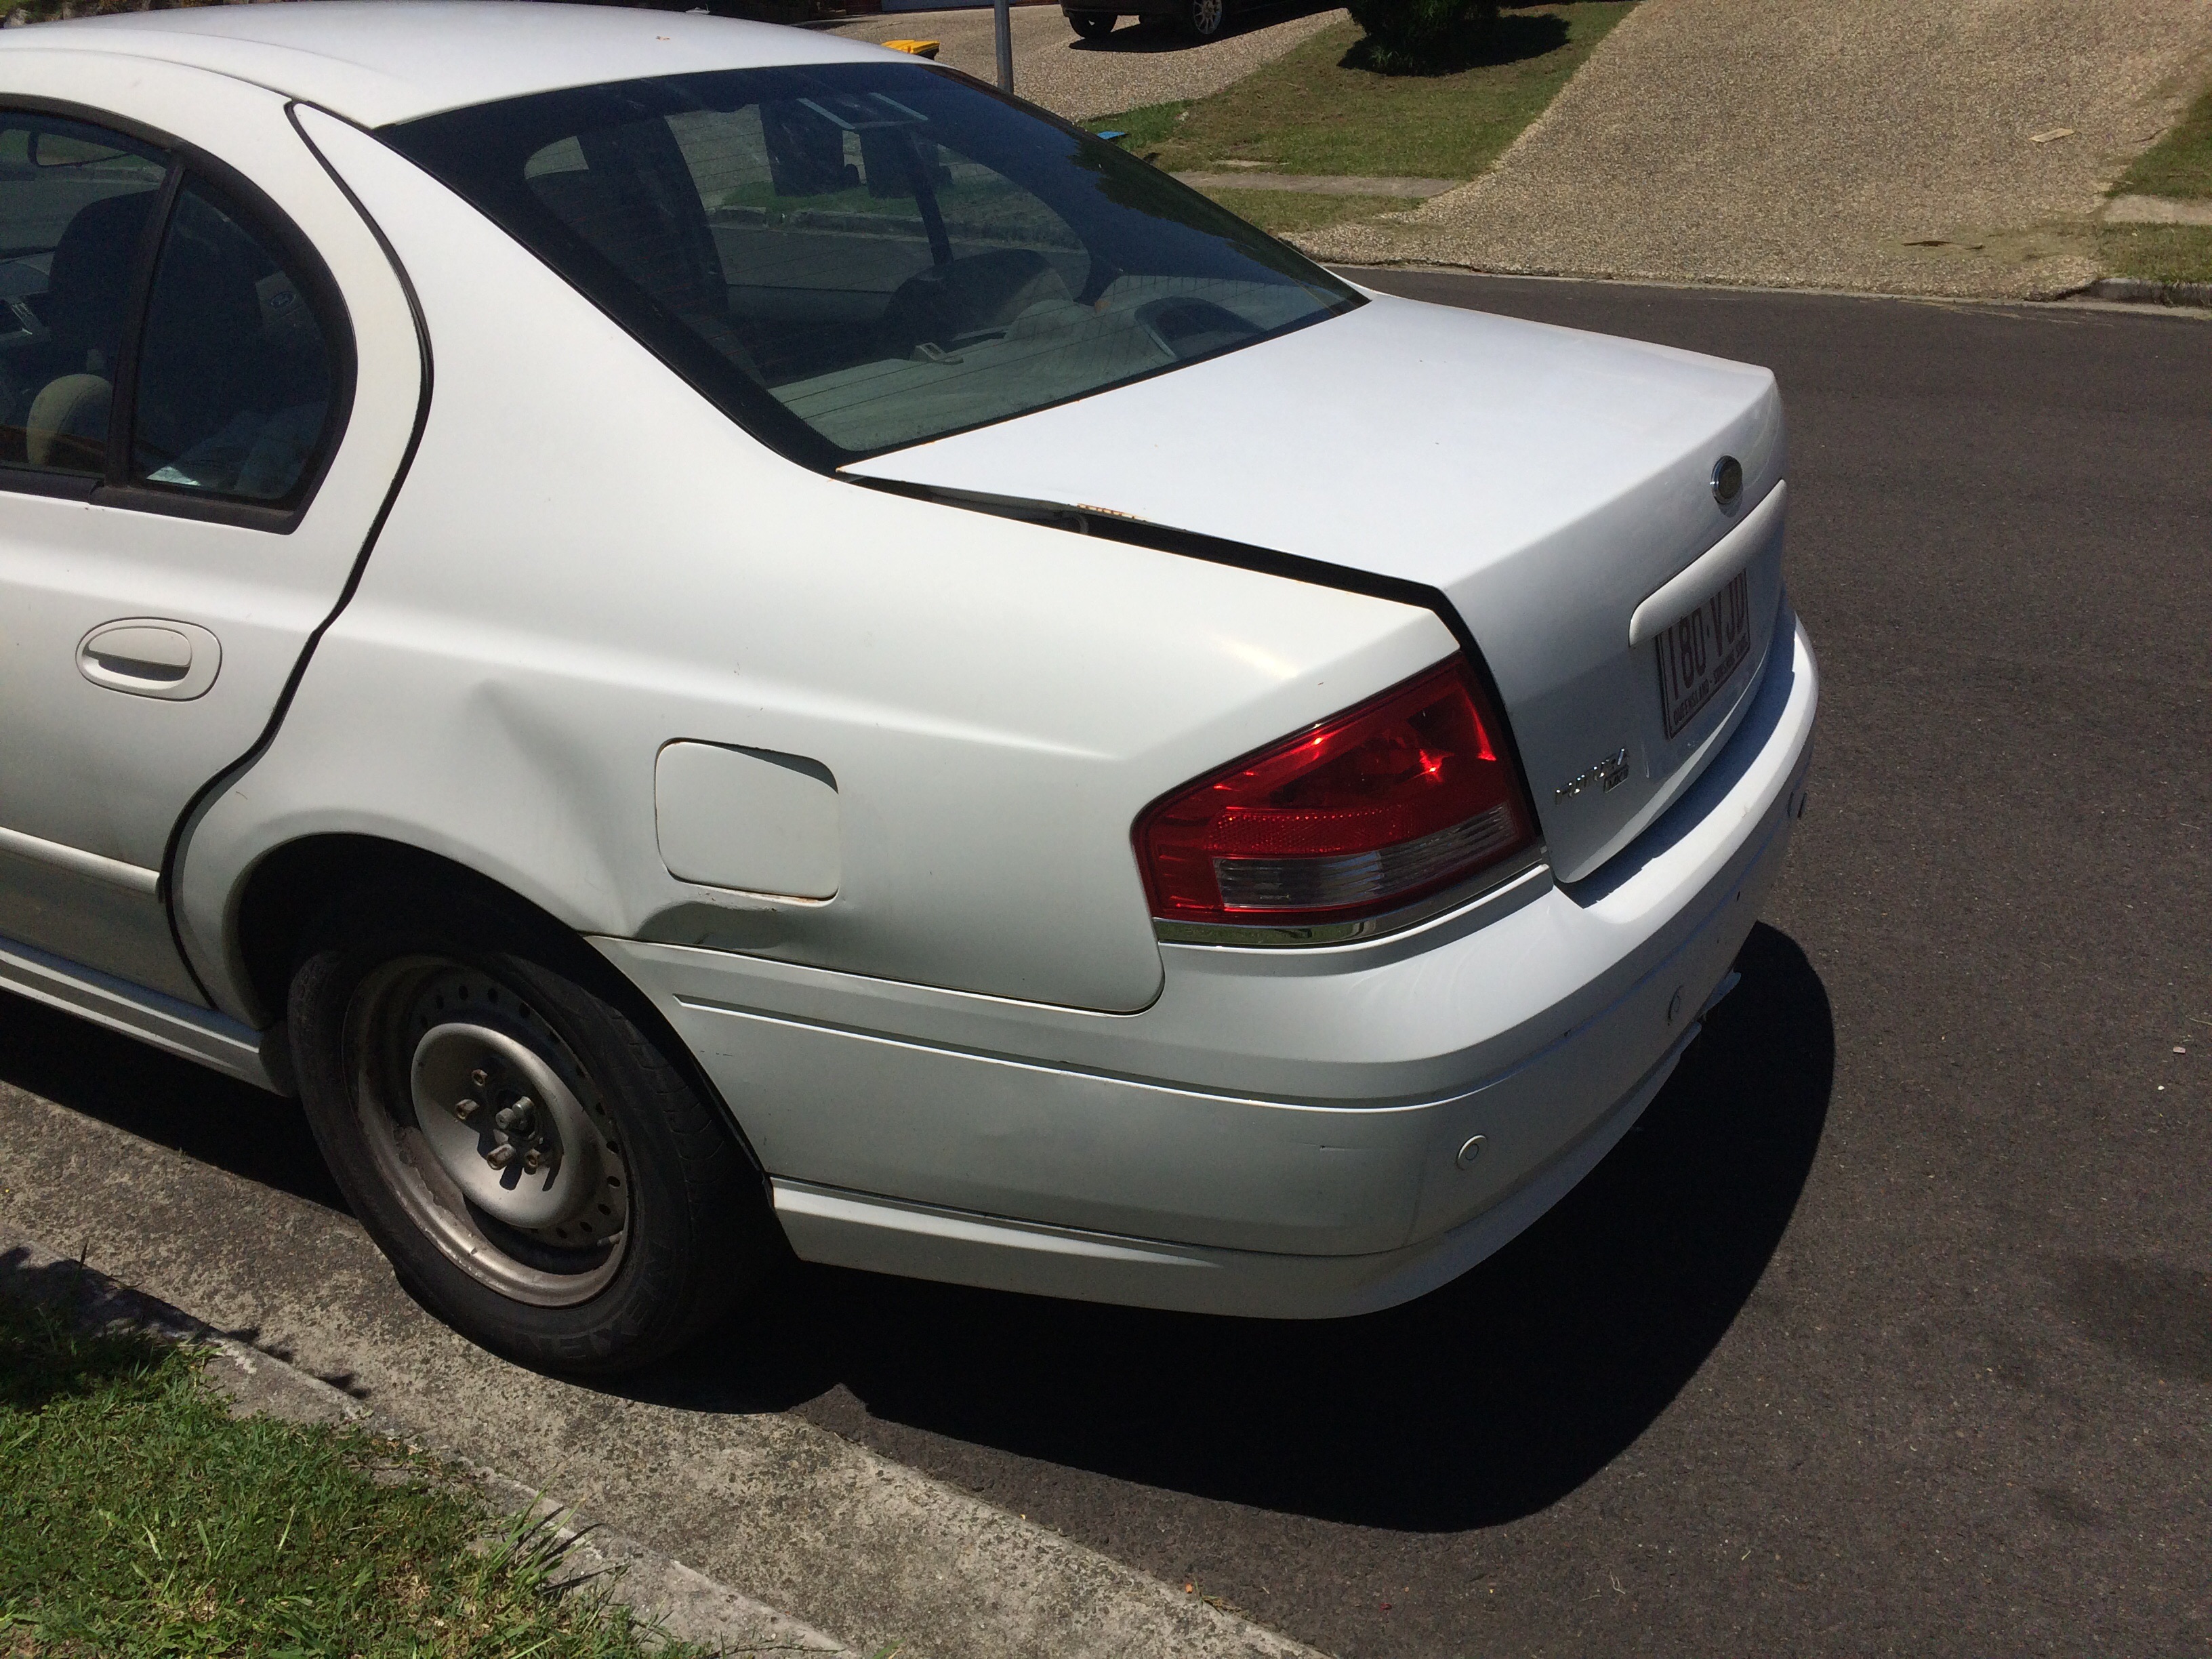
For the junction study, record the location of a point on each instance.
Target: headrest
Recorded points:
(68, 423)
(90, 280)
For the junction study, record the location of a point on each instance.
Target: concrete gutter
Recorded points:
(2137, 290)
(2157, 210)
(783, 1513)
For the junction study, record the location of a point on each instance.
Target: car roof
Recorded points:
(379, 61)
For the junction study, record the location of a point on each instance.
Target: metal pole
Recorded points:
(1003, 22)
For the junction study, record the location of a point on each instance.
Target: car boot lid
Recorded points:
(1565, 492)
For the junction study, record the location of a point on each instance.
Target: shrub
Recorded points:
(1419, 37)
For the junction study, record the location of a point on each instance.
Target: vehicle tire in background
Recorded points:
(1093, 25)
(1204, 19)
(541, 1173)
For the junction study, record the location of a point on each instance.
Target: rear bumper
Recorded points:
(1280, 1134)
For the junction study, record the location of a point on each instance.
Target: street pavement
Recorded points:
(1138, 63)
(1890, 1329)
(1903, 146)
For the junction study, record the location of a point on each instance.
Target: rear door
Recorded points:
(208, 377)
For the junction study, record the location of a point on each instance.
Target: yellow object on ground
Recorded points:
(919, 48)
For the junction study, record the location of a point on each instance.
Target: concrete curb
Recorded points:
(659, 1589)
(2136, 290)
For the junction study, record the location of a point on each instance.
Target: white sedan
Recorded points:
(718, 643)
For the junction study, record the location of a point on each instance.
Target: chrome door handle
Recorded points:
(150, 657)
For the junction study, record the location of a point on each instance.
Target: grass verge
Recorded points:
(2158, 253)
(137, 1516)
(2180, 163)
(1310, 112)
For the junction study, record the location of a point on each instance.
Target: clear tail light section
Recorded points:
(1399, 799)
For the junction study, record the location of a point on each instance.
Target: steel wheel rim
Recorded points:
(547, 1224)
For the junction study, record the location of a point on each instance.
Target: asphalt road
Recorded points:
(1891, 1327)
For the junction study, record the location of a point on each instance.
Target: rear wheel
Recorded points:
(1093, 25)
(541, 1173)
(1204, 18)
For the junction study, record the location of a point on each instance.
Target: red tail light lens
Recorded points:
(1400, 798)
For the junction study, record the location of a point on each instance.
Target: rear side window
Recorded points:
(234, 376)
(74, 205)
(851, 258)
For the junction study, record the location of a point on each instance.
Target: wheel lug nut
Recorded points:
(533, 1160)
(500, 1156)
(479, 1076)
(465, 1109)
(519, 1117)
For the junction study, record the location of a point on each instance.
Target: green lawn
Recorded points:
(1307, 112)
(137, 1517)
(2162, 254)
(2180, 164)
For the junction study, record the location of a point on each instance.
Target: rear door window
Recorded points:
(74, 205)
(234, 375)
(160, 344)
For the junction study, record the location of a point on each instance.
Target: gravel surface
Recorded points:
(1138, 63)
(1882, 145)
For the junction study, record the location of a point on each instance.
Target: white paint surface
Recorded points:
(747, 818)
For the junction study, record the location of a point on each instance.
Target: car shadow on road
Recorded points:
(169, 1101)
(1483, 1402)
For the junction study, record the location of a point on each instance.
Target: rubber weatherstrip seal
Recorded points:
(173, 854)
(1218, 549)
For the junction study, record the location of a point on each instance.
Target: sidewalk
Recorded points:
(1939, 147)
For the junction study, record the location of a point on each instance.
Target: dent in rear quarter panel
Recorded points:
(588, 562)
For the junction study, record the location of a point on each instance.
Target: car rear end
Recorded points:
(1425, 960)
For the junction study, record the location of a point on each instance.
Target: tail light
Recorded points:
(1402, 797)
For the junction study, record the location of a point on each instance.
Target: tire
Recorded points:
(1093, 25)
(1204, 19)
(651, 1222)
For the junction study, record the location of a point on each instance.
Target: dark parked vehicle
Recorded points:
(1203, 18)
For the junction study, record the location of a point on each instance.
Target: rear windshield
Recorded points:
(850, 257)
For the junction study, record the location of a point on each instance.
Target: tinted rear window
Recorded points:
(853, 257)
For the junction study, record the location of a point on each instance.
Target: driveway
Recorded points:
(1138, 63)
(1903, 146)
(1889, 1330)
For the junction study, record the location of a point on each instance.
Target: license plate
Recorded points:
(1697, 654)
